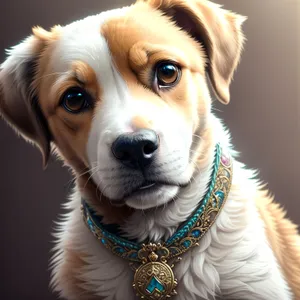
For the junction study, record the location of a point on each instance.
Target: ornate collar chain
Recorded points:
(154, 278)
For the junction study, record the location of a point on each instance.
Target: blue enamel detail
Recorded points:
(90, 223)
(196, 233)
(220, 195)
(120, 250)
(118, 241)
(133, 255)
(187, 227)
(173, 250)
(186, 243)
(153, 285)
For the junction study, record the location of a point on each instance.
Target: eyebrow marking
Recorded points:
(84, 73)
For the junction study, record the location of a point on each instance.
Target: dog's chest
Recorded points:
(111, 277)
(233, 259)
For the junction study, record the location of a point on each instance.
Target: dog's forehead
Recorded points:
(111, 34)
(82, 40)
(93, 23)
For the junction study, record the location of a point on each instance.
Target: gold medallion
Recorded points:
(154, 280)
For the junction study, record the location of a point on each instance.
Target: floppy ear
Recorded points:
(19, 104)
(218, 30)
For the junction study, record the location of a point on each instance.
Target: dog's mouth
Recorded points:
(145, 189)
(152, 194)
(149, 186)
(124, 187)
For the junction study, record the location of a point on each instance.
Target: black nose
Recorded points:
(136, 150)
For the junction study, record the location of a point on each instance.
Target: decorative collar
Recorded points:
(154, 277)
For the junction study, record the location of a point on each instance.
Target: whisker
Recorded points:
(101, 192)
(91, 175)
(72, 181)
(216, 109)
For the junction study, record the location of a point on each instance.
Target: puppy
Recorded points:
(124, 99)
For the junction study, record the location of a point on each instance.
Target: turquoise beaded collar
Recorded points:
(154, 277)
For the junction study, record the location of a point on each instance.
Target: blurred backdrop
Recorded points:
(263, 116)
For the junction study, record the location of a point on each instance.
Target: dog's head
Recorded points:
(125, 94)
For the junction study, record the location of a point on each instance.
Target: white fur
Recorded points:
(233, 260)
(114, 117)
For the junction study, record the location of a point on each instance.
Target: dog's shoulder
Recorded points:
(283, 237)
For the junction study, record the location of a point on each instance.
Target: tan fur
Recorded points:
(16, 108)
(136, 47)
(87, 77)
(283, 237)
(101, 204)
(142, 48)
(217, 29)
(73, 264)
(70, 132)
(139, 123)
(45, 35)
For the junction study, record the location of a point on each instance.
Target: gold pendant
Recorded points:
(154, 279)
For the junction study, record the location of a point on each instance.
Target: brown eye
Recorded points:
(76, 100)
(167, 74)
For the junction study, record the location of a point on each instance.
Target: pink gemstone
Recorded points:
(225, 160)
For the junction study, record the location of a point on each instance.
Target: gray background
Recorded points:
(264, 118)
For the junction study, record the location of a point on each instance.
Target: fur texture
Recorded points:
(233, 261)
(251, 251)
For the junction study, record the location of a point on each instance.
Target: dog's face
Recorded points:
(124, 93)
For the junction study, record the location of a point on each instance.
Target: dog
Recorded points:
(124, 99)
